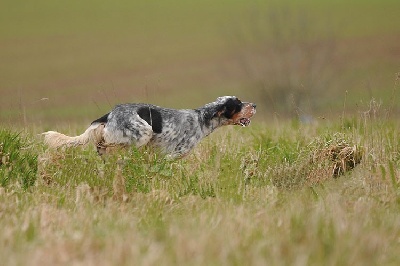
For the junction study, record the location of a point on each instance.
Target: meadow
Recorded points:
(267, 194)
(314, 180)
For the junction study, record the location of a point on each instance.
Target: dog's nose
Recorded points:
(254, 105)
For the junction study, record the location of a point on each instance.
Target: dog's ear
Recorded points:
(219, 111)
(224, 108)
(230, 108)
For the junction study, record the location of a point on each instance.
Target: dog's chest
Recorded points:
(177, 134)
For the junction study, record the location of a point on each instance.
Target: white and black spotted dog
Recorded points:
(173, 132)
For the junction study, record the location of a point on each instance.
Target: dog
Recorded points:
(171, 131)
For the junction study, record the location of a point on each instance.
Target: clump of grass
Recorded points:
(325, 157)
(18, 162)
(333, 157)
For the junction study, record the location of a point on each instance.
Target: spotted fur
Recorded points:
(171, 131)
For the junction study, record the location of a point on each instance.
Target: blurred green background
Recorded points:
(71, 61)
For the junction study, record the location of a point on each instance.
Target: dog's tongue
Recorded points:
(244, 122)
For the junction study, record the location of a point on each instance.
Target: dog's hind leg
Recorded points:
(118, 135)
(133, 131)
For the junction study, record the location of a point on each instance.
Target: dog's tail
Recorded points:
(55, 139)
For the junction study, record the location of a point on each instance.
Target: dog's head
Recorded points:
(229, 110)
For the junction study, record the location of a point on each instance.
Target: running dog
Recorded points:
(173, 132)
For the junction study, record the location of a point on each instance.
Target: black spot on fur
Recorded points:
(102, 119)
(152, 117)
(231, 107)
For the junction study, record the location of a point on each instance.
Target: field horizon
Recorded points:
(74, 62)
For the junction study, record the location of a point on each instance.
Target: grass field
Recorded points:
(284, 191)
(259, 195)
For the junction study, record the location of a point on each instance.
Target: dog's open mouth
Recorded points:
(244, 122)
(243, 118)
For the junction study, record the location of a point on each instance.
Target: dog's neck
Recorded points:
(208, 121)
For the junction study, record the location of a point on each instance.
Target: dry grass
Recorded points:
(260, 195)
(332, 158)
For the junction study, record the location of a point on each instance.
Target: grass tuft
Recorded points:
(18, 162)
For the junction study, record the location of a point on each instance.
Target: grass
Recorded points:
(243, 196)
(18, 160)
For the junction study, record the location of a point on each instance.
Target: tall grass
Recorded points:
(267, 194)
(18, 160)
